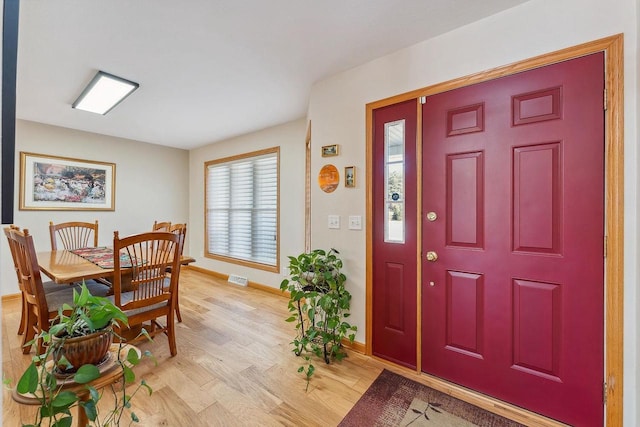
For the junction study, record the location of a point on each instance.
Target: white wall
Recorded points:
(151, 183)
(290, 137)
(337, 112)
(633, 356)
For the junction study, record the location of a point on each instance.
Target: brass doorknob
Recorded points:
(432, 256)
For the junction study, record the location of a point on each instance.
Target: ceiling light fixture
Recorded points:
(104, 92)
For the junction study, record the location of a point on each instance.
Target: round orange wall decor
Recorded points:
(328, 178)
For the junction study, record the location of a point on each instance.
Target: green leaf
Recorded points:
(63, 362)
(132, 357)
(310, 370)
(64, 399)
(129, 376)
(95, 395)
(134, 418)
(49, 411)
(81, 300)
(28, 382)
(86, 373)
(63, 422)
(90, 409)
(57, 328)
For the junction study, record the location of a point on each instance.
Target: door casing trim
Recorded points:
(614, 209)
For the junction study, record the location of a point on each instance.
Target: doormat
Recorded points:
(393, 400)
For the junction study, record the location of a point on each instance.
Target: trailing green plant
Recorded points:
(319, 304)
(86, 315)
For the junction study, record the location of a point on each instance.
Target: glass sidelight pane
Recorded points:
(394, 181)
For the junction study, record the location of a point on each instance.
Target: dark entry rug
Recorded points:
(393, 400)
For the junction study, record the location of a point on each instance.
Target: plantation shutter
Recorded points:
(242, 203)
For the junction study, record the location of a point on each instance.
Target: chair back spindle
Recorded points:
(73, 235)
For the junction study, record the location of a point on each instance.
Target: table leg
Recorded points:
(83, 421)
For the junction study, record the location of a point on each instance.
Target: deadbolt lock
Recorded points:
(432, 216)
(432, 256)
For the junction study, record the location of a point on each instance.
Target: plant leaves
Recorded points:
(81, 300)
(95, 395)
(28, 382)
(48, 411)
(63, 422)
(86, 373)
(90, 409)
(64, 399)
(132, 357)
(129, 376)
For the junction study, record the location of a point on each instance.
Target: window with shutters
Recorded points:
(241, 214)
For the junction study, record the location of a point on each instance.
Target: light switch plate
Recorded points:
(355, 222)
(334, 221)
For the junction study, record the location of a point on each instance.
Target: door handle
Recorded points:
(432, 256)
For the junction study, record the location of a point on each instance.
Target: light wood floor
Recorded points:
(234, 365)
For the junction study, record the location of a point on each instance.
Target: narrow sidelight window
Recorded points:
(394, 181)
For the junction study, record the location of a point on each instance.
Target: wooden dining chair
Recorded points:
(42, 307)
(73, 235)
(161, 226)
(181, 230)
(140, 261)
(47, 286)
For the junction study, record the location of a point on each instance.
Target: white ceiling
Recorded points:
(210, 69)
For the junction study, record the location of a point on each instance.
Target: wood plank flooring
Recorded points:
(234, 365)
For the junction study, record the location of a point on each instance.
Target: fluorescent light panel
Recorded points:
(104, 92)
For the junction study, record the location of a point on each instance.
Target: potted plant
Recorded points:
(319, 303)
(90, 321)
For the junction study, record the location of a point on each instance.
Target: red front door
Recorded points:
(395, 241)
(513, 174)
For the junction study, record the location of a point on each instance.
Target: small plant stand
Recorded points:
(108, 375)
(307, 325)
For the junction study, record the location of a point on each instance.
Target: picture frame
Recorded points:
(350, 176)
(63, 183)
(330, 150)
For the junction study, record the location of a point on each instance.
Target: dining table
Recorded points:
(64, 266)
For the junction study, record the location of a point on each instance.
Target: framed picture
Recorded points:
(330, 150)
(61, 183)
(350, 176)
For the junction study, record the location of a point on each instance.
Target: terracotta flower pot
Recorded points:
(90, 349)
